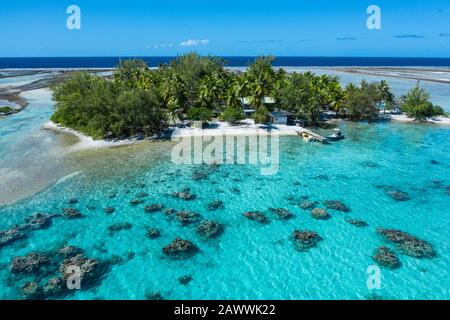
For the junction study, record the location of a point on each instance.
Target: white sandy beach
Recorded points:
(217, 128)
(246, 127)
(85, 142)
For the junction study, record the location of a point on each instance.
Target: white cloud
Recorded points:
(160, 46)
(187, 43)
(194, 43)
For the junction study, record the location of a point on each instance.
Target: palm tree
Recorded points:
(257, 94)
(242, 86)
(211, 91)
(174, 96)
(233, 95)
(416, 103)
(261, 78)
(386, 97)
(129, 71)
(350, 90)
(327, 89)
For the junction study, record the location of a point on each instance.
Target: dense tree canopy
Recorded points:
(364, 102)
(200, 114)
(99, 108)
(232, 114)
(261, 115)
(416, 104)
(361, 102)
(132, 73)
(140, 100)
(301, 94)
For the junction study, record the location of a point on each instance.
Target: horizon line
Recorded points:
(224, 56)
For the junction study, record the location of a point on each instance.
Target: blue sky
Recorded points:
(417, 28)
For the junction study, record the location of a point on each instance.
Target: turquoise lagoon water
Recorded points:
(249, 260)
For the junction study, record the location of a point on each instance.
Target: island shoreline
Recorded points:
(222, 129)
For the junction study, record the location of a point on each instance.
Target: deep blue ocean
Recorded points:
(109, 62)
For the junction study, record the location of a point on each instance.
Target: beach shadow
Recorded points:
(212, 126)
(268, 127)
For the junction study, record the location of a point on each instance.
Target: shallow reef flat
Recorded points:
(141, 227)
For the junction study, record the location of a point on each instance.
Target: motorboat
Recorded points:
(336, 135)
(307, 137)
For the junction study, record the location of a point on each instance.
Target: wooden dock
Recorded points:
(315, 136)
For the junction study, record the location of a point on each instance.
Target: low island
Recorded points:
(138, 102)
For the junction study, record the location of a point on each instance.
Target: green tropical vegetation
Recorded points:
(232, 114)
(6, 109)
(416, 104)
(304, 94)
(386, 96)
(261, 115)
(101, 108)
(140, 100)
(362, 102)
(200, 114)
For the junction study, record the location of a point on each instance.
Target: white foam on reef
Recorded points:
(434, 120)
(85, 142)
(69, 176)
